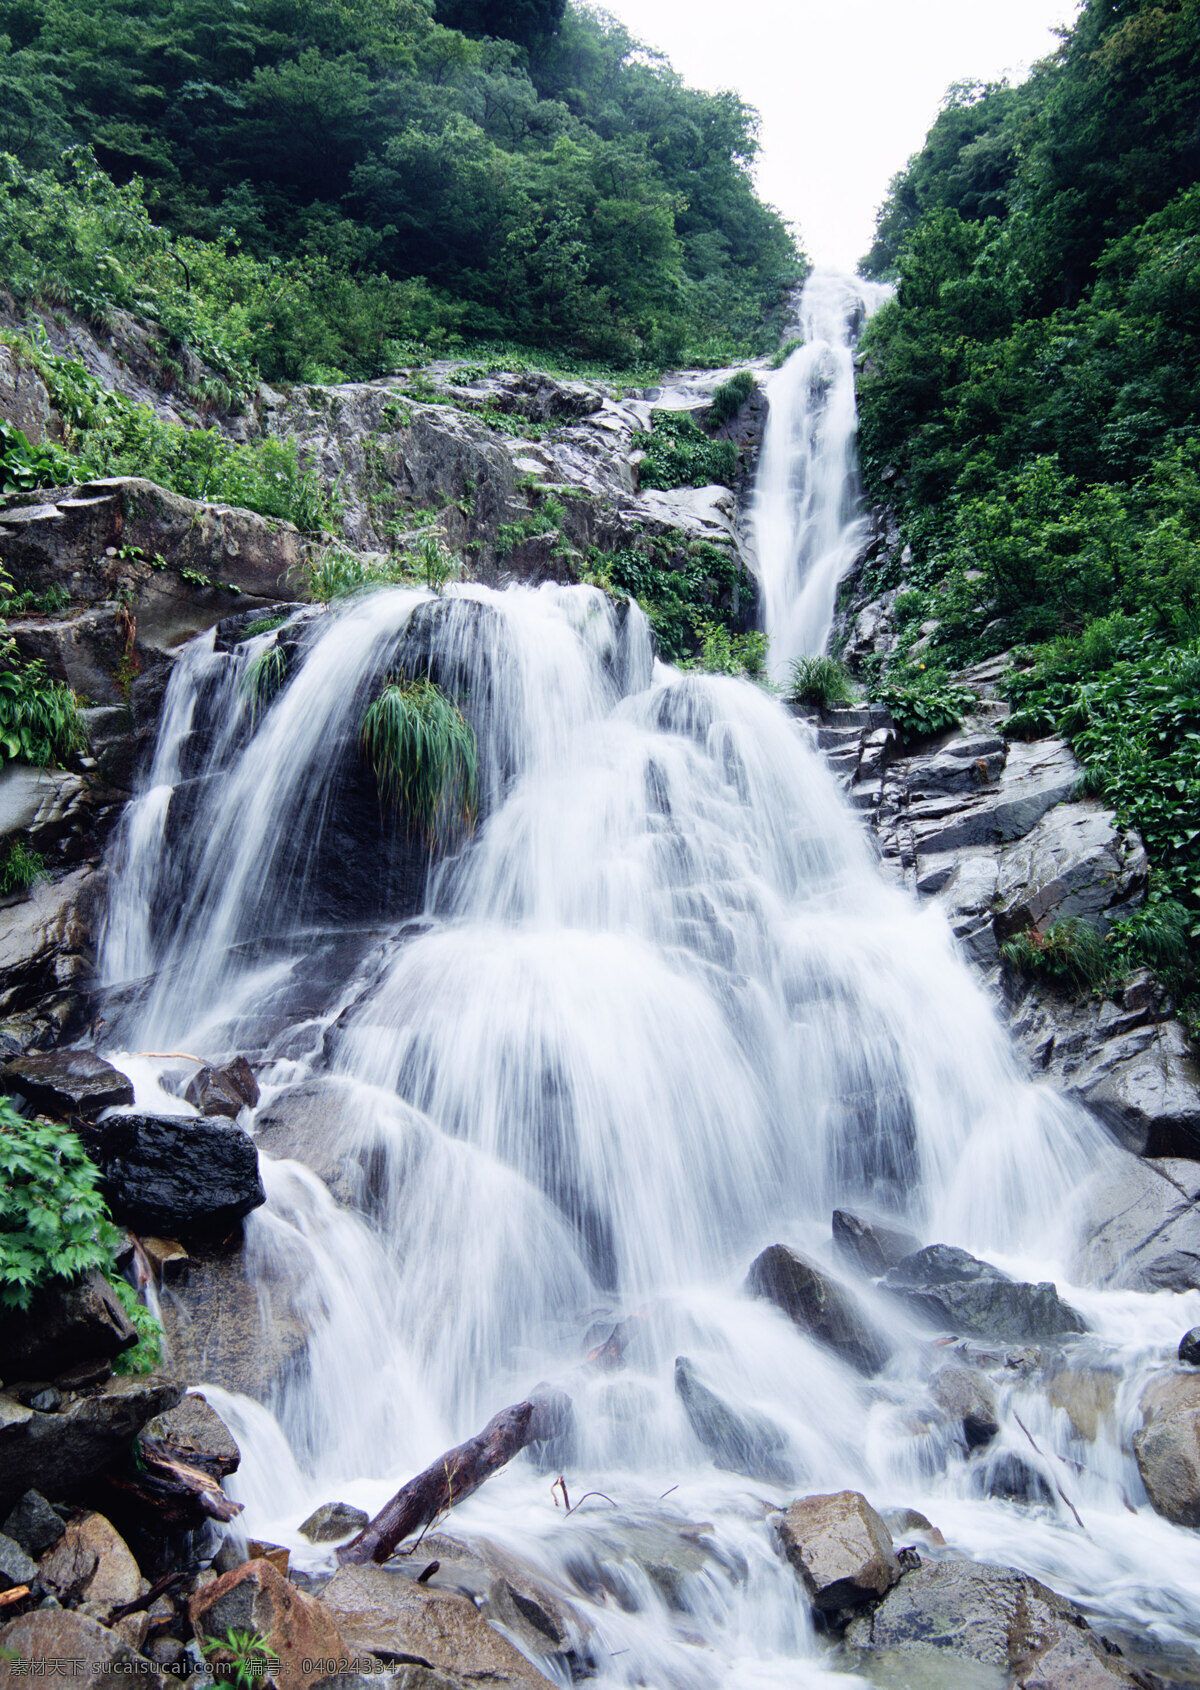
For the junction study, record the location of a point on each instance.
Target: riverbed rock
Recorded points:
(1140, 1229)
(175, 1174)
(819, 1306)
(66, 1083)
(54, 1642)
(66, 1323)
(956, 1292)
(738, 1439)
(1167, 1447)
(230, 1330)
(58, 1451)
(91, 1563)
(16, 1566)
(332, 1522)
(297, 1627)
(224, 1091)
(196, 1433)
(34, 1524)
(966, 1395)
(1189, 1348)
(870, 1246)
(382, 1613)
(841, 1549)
(971, 1626)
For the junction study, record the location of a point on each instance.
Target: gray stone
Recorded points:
(224, 1091)
(332, 1522)
(819, 1306)
(841, 1549)
(738, 1439)
(1167, 1447)
(58, 1453)
(16, 1566)
(1075, 862)
(34, 1524)
(66, 1083)
(1145, 1085)
(91, 1564)
(1189, 1348)
(510, 1593)
(1141, 1226)
(958, 1293)
(56, 1642)
(195, 1431)
(966, 1395)
(870, 1246)
(242, 1334)
(176, 1174)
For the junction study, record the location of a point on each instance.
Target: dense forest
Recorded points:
(1029, 402)
(322, 188)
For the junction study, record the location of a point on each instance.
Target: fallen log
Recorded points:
(457, 1474)
(169, 1490)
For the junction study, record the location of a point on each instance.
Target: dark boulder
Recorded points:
(1141, 1227)
(34, 1524)
(1189, 1348)
(16, 1567)
(1013, 1479)
(66, 1083)
(65, 1324)
(58, 1451)
(819, 1306)
(868, 1246)
(738, 1439)
(195, 1432)
(956, 1292)
(224, 1091)
(176, 1175)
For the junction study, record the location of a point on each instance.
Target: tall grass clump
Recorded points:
(728, 399)
(1070, 952)
(423, 753)
(820, 681)
(265, 677)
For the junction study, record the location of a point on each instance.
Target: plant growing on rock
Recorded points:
(265, 677)
(20, 869)
(820, 681)
(423, 753)
(925, 707)
(39, 718)
(246, 1657)
(680, 454)
(728, 399)
(1070, 952)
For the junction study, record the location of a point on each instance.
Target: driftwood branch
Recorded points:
(456, 1474)
(173, 1491)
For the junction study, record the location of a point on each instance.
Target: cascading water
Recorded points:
(807, 525)
(659, 1013)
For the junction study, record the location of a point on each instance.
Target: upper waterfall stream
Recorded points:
(659, 1012)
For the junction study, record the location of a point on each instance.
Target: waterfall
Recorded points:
(658, 1013)
(807, 524)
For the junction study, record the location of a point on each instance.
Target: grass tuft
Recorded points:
(423, 753)
(820, 681)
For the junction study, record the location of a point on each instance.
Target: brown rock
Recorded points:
(59, 1639)
(1086, 1395)
(66, 1083)
(841, 1549)
(91, 1563)
(257, 1598)
(382, 1612)
(279, 1557)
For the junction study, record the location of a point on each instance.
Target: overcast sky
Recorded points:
(846, 88)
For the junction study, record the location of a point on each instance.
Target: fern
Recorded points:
(422, 751)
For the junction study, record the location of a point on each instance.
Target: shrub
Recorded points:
(422, 751)
(20, 868)
(334, 572)
(725, 653)
(1070, 952)
(820, 681)
(728, 399)
(24, 467)
(679, 454)
(922, 708)
(1157, 936)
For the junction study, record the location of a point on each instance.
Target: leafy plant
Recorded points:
(679, 584)
(1070, 952)
(820, 681)
(335, 572)
(728, 399)
(249, 1656)
(437, 563)
(680, 454)
(726, 653)
(20, 869)
(922, 708)
(780, 358)
(24, 467)
(423, 753)
(39, 718)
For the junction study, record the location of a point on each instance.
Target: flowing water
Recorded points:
(659, 1012)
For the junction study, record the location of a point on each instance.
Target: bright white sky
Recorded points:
(846, 88)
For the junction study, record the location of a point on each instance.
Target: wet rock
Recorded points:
(195, 1431)
(510, 1593)
(57, 1453)
(969, 1626)
(34, 1524)
(1145, 1085)
(841, 1549)
(1086, 1395)
(257, 1598)
(318, 1122)
(383, 1613)
(224, 1091)
(967, 1396)
(177, 1174)
(1076, 862)
(655, 1544)
(1141, 1226)
(818, 1306)
(906, 1520)
(1167, 1447)
(1013, 1478)
(332, 1522)
(58, 1643)
(738, 1439)
(229, 1330)
(868, 1245)
(66, 1083)
(91, 1563)
(1189, 1348)
(958, 1293)
(65, 1324)
(16, 1567)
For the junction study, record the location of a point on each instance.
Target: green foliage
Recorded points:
(926, 706)
(53, 1223)
(251, 1656)
(680, 454)
(146, 1355)
(265, 625)
(726, 653)
(820, 681)
(436, 562)
(780, 358)
(24, 467)
(21, 869)
(1158, 936)
(728, 399)
(39, 718)
(1069, 953)
(422, 751)
(678, 594)
(265, 677)
(334, 572)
